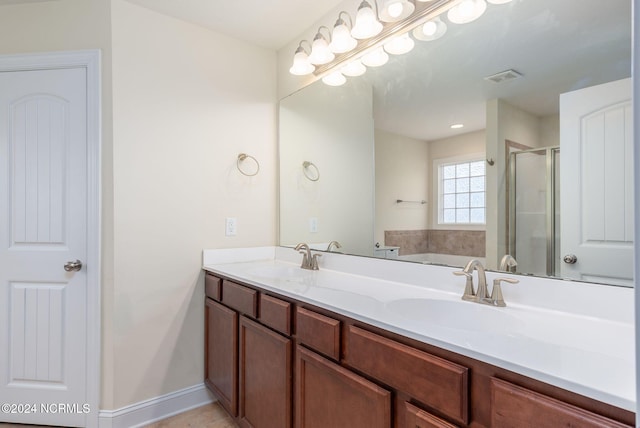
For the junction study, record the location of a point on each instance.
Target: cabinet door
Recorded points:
(515, 407)
(221, 365)
(436, 382)
(415, 417)
(328, 395)
(265, 377)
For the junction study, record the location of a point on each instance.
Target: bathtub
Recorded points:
(442, 259)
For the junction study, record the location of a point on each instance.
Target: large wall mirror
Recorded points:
(539, 166)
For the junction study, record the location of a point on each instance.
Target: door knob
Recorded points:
(570, 259)
(73, 266)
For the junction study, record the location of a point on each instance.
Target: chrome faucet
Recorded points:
(332, 245)
(309, 261)
(507, 263)
(481, 295)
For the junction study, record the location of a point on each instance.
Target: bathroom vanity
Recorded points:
(290, 347)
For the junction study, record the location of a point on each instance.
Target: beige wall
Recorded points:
(402, 172)
(550, 131)
(186, 102)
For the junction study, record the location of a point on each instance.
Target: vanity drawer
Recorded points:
(415, 417)
(239, 297)
(436, 382)
(514, 406)
(318, 332)
(212, 287)
(275, 313)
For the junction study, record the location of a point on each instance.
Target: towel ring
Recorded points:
(242, 157)
(305, 167)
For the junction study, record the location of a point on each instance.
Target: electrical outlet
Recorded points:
(313, 224)
(231, 226)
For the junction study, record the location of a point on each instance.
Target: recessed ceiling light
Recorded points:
(457, 126)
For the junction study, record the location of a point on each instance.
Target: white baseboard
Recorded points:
(155, 409)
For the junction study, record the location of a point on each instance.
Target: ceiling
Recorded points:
(557, 46)
(268, 23)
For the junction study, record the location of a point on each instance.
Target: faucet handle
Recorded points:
(303, 249)
(468, 294)
(314, 261)
(496, 292)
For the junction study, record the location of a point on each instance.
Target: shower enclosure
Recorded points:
(534, 210)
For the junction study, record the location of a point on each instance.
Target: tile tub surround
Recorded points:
(469, 243)
(573, 335)
(409, 241)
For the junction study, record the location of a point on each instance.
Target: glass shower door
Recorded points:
(534, 210)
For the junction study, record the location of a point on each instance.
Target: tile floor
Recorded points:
(209, 416)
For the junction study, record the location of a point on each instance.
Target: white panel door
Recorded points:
(43, 226)
(596, 128)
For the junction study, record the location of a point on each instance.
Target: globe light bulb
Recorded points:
(394, 10)
(429, 28)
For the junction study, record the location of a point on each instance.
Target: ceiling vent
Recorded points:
(503, 76)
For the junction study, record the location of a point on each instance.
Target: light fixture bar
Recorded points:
(423, 13)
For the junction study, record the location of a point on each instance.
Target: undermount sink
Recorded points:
(458, 315)
(282, 273)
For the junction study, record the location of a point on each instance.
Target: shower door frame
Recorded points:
(551, 179)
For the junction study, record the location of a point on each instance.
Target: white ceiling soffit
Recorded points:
(270, 24)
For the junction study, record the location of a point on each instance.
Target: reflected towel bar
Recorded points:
(401, 201)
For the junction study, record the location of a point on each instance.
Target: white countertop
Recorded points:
(578, 336)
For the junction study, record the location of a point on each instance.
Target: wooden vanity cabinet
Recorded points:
(328, 395)
(410, 416)
(247, 365)
(513, 406)
(221, 350)
(441, 384)
(318, 332)
(265, 377)
(275, 362)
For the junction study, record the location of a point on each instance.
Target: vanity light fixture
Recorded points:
(341, 39)
(320, 52)
(301, 64)
(430, 30)
(400, 44)
(354, 68)
(367, 24)
(457, 126)
(467, 11)
(375, 58)
(353, 46)
(395, 10)
(336, 78)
